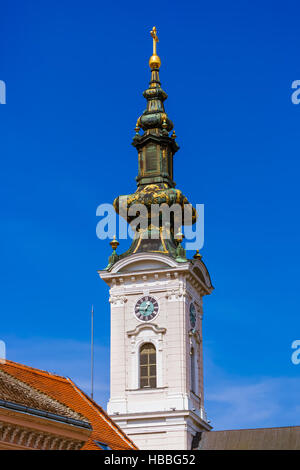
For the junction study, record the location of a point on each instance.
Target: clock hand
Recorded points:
(144, 308)
(149, 305)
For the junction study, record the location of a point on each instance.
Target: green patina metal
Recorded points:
(180, 253)
(155, 185)
(112, 259)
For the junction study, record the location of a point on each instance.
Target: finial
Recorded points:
(165, 126)
(113, 258)
(137, 126)
(179, 236)
(154, 61)
(197, 255)
(114, 243)
(173, 135)
(180, 251)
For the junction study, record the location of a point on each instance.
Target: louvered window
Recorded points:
(151, 158)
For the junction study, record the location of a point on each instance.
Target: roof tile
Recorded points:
(65, 391)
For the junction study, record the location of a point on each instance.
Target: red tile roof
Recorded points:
(65, 391)
(16, 391)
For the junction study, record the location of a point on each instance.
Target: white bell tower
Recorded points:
(156, 293)
(156, 393)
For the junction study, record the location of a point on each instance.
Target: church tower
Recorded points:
(156, 297)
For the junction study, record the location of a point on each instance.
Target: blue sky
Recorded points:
(75, 73)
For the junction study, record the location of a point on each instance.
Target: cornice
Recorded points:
(14, 436)
(151, 326)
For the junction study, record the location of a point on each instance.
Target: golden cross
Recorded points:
(155, 39)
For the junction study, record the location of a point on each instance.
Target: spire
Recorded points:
(155, 147)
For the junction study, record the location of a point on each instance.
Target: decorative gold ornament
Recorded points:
(114, 243)
(197, 255)
(154, 61)
(179, 236)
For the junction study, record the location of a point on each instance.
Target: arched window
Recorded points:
(148, 366)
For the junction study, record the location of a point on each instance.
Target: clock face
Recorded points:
(146, 308)
(193, 315)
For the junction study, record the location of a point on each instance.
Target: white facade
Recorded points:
(168, 416)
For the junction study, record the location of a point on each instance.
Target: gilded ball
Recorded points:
(154, 62)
